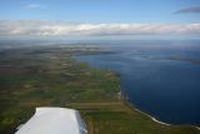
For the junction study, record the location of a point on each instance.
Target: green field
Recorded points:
(50, 76)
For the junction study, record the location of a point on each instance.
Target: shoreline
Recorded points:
(158, 121)
(197, 128)
(152, 118)
(125, 99)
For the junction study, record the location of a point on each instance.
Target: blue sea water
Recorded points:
(160, 77)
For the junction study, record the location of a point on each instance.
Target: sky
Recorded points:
(67, 18)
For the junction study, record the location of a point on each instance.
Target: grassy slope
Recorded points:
(49, 77)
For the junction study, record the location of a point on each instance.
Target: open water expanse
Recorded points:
(161, 78)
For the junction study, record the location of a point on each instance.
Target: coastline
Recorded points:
(152, 118)
(160, 122)
(197, 128)
(68, 83)
(125, 100)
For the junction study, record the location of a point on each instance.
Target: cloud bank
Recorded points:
(45, 28)
(189, 10)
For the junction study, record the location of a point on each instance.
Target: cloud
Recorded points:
(34, 6)
(46, 28)
(188, 10)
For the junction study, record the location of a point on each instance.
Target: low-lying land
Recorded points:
(49, 76)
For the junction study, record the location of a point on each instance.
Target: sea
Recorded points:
(158, 77)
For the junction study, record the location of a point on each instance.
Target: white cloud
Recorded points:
(45, 28)
(35, 6)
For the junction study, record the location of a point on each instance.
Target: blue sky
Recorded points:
(100, 11)
(178, 12)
